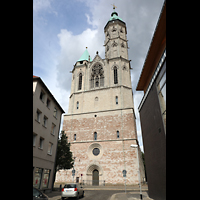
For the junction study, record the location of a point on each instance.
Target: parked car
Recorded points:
(38, 195)
(72, 190)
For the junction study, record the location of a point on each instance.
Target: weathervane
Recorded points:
(114, 6)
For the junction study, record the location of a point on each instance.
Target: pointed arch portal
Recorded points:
(95, 177)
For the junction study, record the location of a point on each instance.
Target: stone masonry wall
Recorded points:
(115, 153)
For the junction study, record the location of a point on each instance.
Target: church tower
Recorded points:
(100, 124)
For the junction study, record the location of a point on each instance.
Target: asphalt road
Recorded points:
(99, 194)
(89, 195)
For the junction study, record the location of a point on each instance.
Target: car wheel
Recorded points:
(77, 197)
(63, 198)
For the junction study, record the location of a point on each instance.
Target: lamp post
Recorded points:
(73, 171)
(136, 146)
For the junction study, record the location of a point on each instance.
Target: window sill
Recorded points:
(40, 148)
(44, 126)
(37, 121)
(49, 154)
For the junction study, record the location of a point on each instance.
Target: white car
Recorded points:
(72, 190)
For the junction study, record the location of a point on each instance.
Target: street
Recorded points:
(89, 195)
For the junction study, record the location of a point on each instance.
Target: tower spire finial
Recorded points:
(114, 6)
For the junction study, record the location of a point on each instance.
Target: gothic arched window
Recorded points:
(97, 76)
(115, 75)
(80, 81)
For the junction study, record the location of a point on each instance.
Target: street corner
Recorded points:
(130, 196)
(119, 196)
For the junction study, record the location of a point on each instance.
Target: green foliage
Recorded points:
(64, 155)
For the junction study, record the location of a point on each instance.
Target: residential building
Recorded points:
(46, 125)
(100, 124)
(152, 110)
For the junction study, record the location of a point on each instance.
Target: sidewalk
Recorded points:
(130, 196)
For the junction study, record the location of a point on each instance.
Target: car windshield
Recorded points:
(36, 193)
(70, 186)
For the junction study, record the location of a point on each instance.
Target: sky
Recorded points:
(62, 29)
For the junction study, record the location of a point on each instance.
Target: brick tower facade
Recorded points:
(100, 123)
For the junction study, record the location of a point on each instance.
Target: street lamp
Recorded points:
(136, 146)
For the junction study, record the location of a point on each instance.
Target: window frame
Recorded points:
(115, 75)
(80, 80)
(95, 136)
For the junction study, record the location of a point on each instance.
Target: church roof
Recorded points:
(85, 56)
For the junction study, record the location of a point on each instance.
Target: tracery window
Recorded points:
(97, 76)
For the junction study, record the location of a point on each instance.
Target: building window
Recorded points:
(97, 81)
(48, 103)
(92, 82)
(74, 137)
(101, 80)
(38, 115)
(116, 99)
(117, 134)
(80, 82)
(55, 112)
(95, 135)
(96, 151)
(97, 76)
(41, 143)
(46, 178)
(53, 126)
(45, 119)
(42, 96)
(161, 88)
(115, 75)
(37, 177)
(77, 105)
(34, 139)
(50, 148)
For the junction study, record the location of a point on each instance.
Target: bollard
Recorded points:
(60, 187)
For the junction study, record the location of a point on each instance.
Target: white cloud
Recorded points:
(39, 5)
(72, 47)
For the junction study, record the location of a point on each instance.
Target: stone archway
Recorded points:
(94, 174)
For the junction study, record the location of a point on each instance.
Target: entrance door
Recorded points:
(95, 177)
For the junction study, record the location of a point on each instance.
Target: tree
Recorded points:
(64, 158)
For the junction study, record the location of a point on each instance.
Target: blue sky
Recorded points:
(63, 28)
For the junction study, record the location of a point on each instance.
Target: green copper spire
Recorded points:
(85, 56)
(114, 15)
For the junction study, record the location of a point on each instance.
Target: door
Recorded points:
(95, 177)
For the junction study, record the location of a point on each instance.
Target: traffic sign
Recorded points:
(73, 172)
(124, 173)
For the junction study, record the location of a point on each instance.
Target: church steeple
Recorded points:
(115, 37)
(114, 15)
(85, 56)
